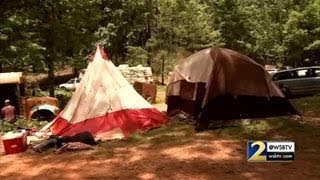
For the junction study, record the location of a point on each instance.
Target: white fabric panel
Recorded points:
(197, 67)
(103, 89)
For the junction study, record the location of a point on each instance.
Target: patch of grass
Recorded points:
(161, 88)
(167, 132)
(172, 134)
(161, 94)
(164, 139)
(168, 128)
(256, 129)
(271, 129)
(104, 150)
(176, 134)
(308, 106)
(137, 138)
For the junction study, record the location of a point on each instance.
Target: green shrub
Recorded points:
(6, 127)
(63, 97)
(21, 123)
(30, 123)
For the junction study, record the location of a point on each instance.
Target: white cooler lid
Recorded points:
(14, 134)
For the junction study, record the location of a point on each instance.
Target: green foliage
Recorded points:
(30, 123)
(21, 123)
(43, 36)
(167, 58)
(63, 97)
(183, 24)
(136, 56)
(303, 34)
(6, 127)
(122, 25)
(230, 20)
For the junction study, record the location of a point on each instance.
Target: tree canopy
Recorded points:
(45, 35)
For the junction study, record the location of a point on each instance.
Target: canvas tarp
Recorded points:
(103, 101)
(224, 72)
(220, 84)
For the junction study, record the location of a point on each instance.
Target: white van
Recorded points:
(71, 84)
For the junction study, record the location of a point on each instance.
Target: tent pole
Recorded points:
(208, 85)
(195, 92)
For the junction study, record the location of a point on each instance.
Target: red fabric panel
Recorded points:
(103, 54)
(129, 121)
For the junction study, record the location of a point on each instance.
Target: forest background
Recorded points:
(49, 35)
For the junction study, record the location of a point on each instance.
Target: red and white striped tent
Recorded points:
(105, 101)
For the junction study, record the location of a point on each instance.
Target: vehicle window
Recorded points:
(302, 73)
(71, 81)
(78, 80)
(284, 75)
(312, 73)
(317, 71)
(309, 73)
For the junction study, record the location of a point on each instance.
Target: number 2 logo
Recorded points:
(258, 156)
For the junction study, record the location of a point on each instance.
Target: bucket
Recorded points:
(15, 142)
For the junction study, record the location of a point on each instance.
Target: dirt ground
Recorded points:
(173, 153)
(213, 159)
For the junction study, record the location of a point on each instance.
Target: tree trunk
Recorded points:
(51, 46)
(149, 33)
(162, 71)
(51, 74)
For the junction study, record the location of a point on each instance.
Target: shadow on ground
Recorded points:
(176, 152)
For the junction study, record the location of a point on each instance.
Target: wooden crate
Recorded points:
(147, 91)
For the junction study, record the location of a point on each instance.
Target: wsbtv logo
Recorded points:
(262, 151)
(257, 151)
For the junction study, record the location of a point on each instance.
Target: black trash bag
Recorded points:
(84, 137)
(45, 145)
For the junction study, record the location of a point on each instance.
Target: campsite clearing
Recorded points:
(176, 152)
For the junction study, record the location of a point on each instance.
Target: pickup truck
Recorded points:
(71, 84)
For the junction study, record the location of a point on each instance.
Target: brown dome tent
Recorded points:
(220, 84)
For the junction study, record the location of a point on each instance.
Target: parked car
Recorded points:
(298, 81)
(271, 69)
(71, 84)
